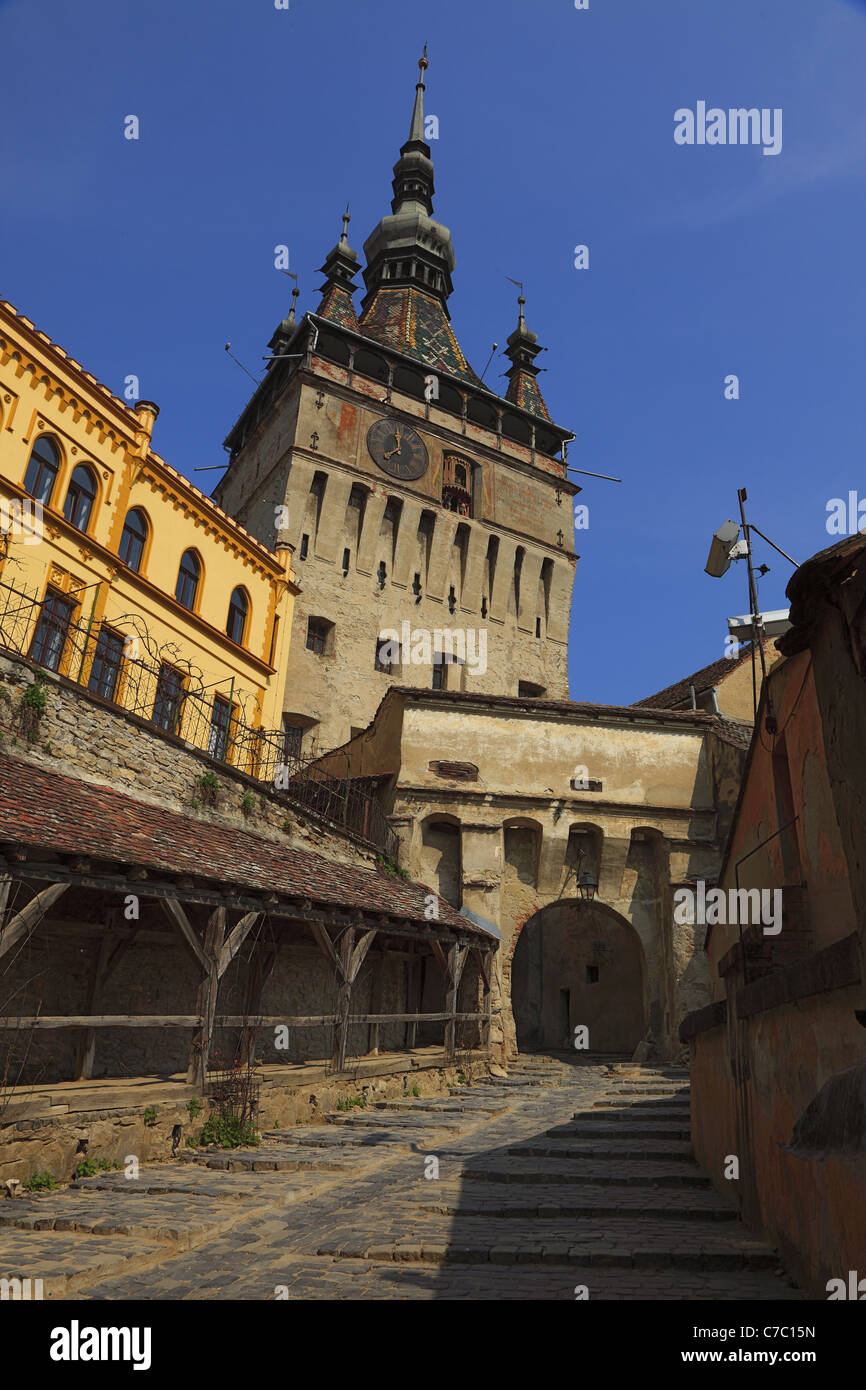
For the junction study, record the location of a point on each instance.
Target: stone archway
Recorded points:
(578, 963)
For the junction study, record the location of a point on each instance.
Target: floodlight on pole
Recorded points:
(725, 547)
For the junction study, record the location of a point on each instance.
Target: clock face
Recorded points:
(397, 449)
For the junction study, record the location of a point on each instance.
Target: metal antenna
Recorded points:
(489, 360)
(240, 364)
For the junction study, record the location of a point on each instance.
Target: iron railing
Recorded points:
(119, 662)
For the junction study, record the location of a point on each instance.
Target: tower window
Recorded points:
(484, 605)
(456, 479)
(305, 547)
(527, 690)
(320, 637)
(452, 600)
(416, 588)
(387, 655)
(346, 558)
(538, 627)
(381, 574)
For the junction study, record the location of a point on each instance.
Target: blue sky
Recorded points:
(556, 129)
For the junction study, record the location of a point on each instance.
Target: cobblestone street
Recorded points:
(565, 1174)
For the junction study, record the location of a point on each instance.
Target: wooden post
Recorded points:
(452, 968)
(416, 988)
(206, 999)
(376, 997)
(344, 997)
(5, 887)
(486, 960)
(104, 963)
(261, 967)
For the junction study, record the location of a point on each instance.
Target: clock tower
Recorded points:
(431, 517)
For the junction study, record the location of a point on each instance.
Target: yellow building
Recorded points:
(118, 573)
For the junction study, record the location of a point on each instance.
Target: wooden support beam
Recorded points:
(325, 944)
(5, 888)
(238, 935)
(84, 1053)
(58, 1022)
(175, 913)
(455, 962)
(111, 950)
(486, 962)
(261, 966)
(415, 992)
(207, 998)
(344, 997)
(24, 921)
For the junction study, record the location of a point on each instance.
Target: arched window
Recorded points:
(132, 539)
(239, 607)
(188, 577)
(80, 497)
(42, 469)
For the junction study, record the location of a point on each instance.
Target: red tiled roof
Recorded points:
(630, 713)
(678, 694)
(39, 808)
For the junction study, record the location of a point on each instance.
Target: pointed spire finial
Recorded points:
(295, 293)
(416, 127)
(346, 220)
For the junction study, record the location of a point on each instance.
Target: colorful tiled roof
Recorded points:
(524, 392)
(43, 809)
(337, 305)
(405, 318)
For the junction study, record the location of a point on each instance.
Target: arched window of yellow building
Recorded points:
(239, 607)
(132, 539)
(188, 577)
(80, 497)
(42, 469)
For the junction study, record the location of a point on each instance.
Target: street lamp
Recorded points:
(587, 887)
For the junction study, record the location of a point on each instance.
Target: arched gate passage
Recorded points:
(578, 963)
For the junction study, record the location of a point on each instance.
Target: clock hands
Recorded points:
(398, 443)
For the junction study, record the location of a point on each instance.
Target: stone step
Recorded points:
(676, 1150)
(519, 1170)
(268, 1159)
(366, 1119)
(586, 1128)
(592, 1200)
(630, 1090)
(452, 1106)
(632, 1114)
(654, 1243)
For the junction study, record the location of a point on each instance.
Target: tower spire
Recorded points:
(522, 349)
(416, 125)
(410, 258)
(340, 269)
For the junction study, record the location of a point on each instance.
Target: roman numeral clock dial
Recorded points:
(397, 449)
